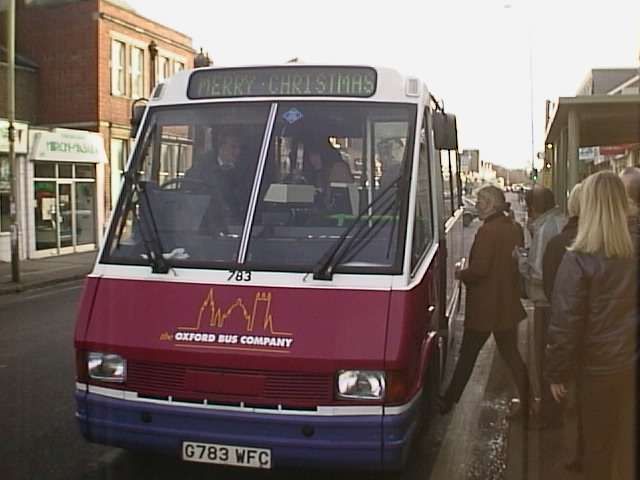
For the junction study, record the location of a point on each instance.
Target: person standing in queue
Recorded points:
(545, 222)
(493, 305)
(630, 177)
(595, 321)
(553, 254)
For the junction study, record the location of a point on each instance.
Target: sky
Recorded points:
(493, 62)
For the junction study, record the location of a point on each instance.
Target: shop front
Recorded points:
(67, 190)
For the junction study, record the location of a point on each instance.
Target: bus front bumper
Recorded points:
(372, 442)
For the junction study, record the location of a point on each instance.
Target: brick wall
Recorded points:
(26, 94)
(133, 31)
(116, 23)
(63, 41)
(71, 43)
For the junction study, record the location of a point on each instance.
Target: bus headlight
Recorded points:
(106, 367)
(361, 384)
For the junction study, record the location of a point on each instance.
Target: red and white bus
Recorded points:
(276, 285)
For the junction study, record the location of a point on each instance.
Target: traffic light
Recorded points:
(534, 174)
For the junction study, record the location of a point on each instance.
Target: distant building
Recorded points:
(470, 161)
(609, 81)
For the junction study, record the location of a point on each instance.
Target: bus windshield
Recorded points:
(267, 186)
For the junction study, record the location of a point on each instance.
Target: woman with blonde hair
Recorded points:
(595, 322)
(493, 304)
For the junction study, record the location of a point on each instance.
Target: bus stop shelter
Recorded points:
(587, 121)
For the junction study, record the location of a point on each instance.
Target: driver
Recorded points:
(223, 164)
(220, 174)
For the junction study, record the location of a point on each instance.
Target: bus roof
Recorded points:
(293, 81)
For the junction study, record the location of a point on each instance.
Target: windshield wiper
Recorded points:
(151, 238)
(153, 245)
(353, 245)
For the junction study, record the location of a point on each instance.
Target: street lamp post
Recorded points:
(509, 6)
(11, 117)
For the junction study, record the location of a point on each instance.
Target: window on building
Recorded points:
(178, 67)
(137, 72)
(117, 68)
(164, 72)
(119, 153)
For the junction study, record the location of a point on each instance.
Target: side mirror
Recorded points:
(137, 112)
(445, 131)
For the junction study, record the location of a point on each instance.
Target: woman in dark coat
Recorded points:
(595, 322)
(553, 254)
(493, 297)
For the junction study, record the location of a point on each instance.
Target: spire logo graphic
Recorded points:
(238, 325)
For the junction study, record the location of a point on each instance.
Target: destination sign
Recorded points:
(283, 82)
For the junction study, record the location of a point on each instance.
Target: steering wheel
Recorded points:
(186, 184)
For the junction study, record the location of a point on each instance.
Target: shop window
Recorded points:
(45, 170)
(85, 171)
(117, 68)
(65, 170)
(5, 216)
(137, 72)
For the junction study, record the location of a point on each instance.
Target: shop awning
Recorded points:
(587, 121)
(604, 119)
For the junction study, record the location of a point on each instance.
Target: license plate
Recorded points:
(226, 455)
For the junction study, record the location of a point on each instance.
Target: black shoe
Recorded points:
(574, 465)
(444, 405)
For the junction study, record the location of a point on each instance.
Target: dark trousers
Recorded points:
(608, 413)
(551, 410)
(472, 343)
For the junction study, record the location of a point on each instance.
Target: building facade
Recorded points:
(80, 65)
(96, 57)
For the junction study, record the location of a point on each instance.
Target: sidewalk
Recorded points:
(540, 454)
(46, 271)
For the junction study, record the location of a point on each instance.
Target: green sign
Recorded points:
(299, 81)
(67, 147)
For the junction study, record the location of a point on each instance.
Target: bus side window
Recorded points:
(423, 220)
(447, 184)
(455, 179)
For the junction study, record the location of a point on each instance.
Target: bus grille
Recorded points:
(276, 388)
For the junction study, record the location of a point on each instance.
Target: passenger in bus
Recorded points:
(324, 166)
(493, 305)
(630, 177)
(595, 319)
(545, 221)
(390, 152)
(553, 256)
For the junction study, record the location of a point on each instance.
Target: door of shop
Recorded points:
(64, 208)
